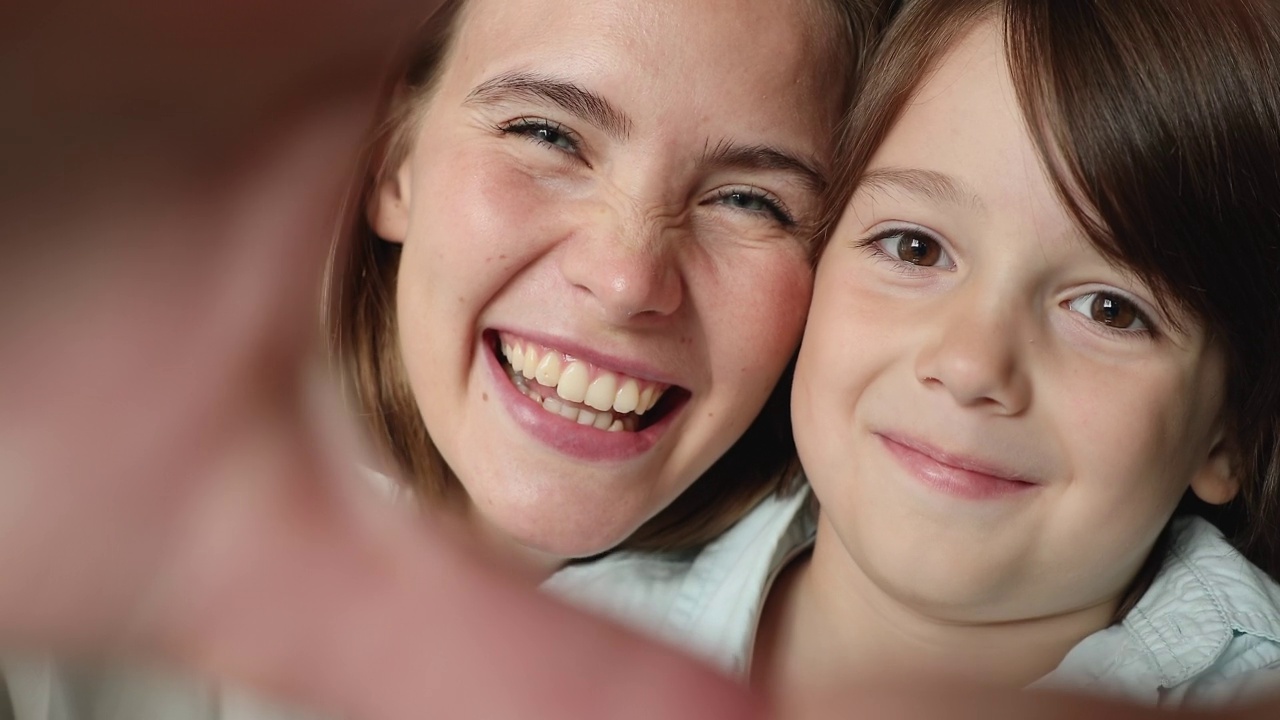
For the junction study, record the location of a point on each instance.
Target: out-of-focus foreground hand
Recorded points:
(174, 481)
(168, 176)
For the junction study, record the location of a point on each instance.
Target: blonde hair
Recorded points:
(361, 312)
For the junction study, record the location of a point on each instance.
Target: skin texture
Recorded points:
(918, 381)
(623, 242)
(229, 439)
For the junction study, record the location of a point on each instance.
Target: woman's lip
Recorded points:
(567, 437)
(958, 475)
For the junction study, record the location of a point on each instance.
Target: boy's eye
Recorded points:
(1111, 310)
(915, 248)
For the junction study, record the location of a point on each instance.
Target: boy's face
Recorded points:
(605, 200)
(998, 422)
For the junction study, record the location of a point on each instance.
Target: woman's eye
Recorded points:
(757, 202)
(544, 132)
(915, 248)
(1110, 310)
(746, 201)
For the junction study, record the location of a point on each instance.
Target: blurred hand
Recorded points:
(166, 203)
(177, 478)
(176, 473)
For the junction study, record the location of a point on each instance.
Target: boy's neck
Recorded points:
(826, 623)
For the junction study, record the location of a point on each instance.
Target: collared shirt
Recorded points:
(1206, 633)
(707, 601)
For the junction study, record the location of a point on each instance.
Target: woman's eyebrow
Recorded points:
(569, 96)
(762, 157)
(934, 186)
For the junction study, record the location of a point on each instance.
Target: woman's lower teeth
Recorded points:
(554, 405)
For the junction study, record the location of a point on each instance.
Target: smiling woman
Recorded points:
(572, 283)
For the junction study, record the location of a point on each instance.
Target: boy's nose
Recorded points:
(976, 355)
(629, 268)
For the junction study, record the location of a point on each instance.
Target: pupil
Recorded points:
(919, 251)
(1112, 312)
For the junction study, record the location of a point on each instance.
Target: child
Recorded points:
(1043, 348)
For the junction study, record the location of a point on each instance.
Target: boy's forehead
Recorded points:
(962, 138)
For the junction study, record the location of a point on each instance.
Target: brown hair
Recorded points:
(361, 315)
(1159, 125)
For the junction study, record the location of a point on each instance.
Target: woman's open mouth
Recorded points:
(582, 392)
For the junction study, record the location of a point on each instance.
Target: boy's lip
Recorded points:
(955, 473)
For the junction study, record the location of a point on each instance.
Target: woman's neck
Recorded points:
(825, 622)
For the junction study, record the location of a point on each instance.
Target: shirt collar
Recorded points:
(1205, 594)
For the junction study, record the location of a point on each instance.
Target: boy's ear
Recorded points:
(1216, 482)
(388, 210)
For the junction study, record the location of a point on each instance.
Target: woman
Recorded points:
(572, 284)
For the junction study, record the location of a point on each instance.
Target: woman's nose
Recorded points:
(976, 354)
(629, 267)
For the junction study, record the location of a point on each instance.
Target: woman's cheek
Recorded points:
(480, 212)
(763, 316)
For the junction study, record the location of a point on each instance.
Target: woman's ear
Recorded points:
(388, 210)
(1216, 482)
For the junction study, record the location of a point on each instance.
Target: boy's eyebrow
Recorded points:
(935, 186)
(763, 157)
(571, 97)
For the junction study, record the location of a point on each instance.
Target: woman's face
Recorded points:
(604, 212)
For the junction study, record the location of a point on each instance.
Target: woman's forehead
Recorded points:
(748, 67)
(743, 43)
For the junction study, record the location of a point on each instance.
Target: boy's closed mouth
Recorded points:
(955, 473)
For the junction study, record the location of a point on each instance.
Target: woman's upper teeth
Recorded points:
(580, 382)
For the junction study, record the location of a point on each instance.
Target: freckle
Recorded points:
(502, 257)
(484, 397)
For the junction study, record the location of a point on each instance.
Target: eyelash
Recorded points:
(529, 127)
(1149, 328)
(872, 246)
(773, 206)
